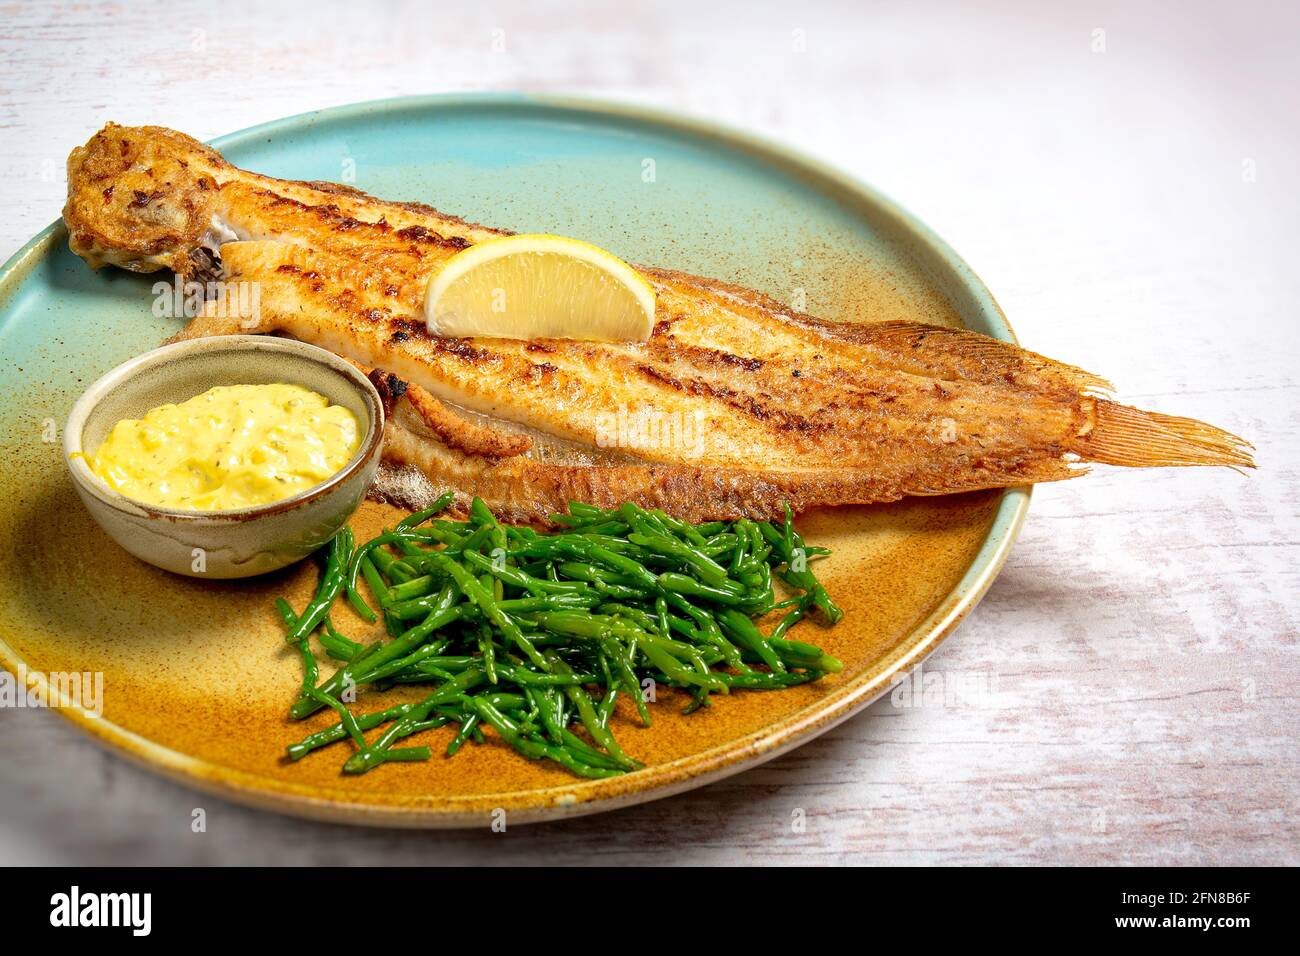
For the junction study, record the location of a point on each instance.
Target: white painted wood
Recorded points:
(1129, 681)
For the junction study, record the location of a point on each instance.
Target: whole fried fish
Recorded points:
(734, 406)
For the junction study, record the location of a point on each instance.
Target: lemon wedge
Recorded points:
(539, 286)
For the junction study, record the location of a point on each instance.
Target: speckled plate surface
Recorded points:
(196, 676)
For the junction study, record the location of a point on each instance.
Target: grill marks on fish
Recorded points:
(746, 418)
(779, 406)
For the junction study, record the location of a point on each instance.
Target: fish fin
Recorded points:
(1120, 435)
(974, 356)
(456, 431)
(948, 353)
(217, 319)
(1008, 472)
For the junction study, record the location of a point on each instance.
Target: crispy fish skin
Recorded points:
(734, 406)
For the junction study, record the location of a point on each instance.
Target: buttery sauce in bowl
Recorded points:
(225, 456)
(234, 446)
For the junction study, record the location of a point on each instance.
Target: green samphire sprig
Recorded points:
(537, 634)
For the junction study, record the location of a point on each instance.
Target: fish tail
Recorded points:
(1121, 435)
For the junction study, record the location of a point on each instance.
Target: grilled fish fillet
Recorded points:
(734, 406)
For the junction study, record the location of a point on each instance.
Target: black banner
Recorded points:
(928, 906)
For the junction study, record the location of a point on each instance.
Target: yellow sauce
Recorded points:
(234, 446)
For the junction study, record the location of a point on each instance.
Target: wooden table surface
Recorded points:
(1124, 179)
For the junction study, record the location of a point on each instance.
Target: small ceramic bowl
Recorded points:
(236, 543)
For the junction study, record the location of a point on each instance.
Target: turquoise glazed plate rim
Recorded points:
(959, 285)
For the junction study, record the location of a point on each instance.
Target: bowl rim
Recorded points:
(74, 454)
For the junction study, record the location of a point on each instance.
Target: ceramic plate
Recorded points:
(196, 676)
